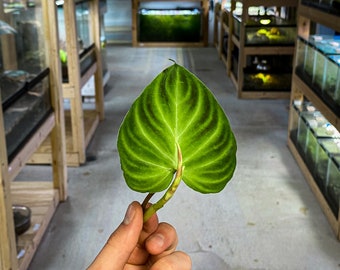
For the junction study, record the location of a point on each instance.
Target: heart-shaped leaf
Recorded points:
(176, 112)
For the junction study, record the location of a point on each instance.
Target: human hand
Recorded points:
(138, 246)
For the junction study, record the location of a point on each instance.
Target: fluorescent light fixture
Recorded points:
(265, 21)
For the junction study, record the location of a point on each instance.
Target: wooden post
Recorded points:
(74, 77)
(205, 26)
(134, 22)
(58, 138)
(8, 250)
(230, 37)
(98, 76)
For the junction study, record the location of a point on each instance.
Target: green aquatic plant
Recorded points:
(176, 131)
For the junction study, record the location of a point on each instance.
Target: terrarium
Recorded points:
(268, 72)
(331, 80)
(24, 80)
(85, 40)
(319, 70)
(298, 106)
(326, 149)
(312, 57)
(294, 118)
(169, 25)
(333, 184)
(301, 48)
(324, 47)
(318, 127)
(312, 125)
(270, 30)
(263, 27)
(308, 65)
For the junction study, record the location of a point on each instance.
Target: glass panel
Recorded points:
(24, 80)
(22, 39)
(333, 184)
(83, 25)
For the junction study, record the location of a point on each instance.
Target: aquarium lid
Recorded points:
(269, 21)
(335, 59)
(169, 12)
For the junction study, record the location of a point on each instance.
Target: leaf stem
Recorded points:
(146, 201)
(168, 194)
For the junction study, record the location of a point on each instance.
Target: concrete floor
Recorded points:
(266, 217)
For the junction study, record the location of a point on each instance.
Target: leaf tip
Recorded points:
(172, 60)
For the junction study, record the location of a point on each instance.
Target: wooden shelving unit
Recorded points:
(238, 44)
(217, 19)
(301, 91)
(41, 197)
(80, 123)
(204, 5)
(223, 30)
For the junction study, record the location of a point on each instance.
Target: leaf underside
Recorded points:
(176, 108)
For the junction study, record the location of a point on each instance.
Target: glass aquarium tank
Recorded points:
(85, 40)
(326, 149)
(319, 70)
(294, 118)
(24, 75)
(298, 106)
(25, 109)
(162, 25)
(333, 184)
(83, 24)
(331, 80)
(270, 30)
(324, 47)
(308, 65)
(265, 27)
(312, 126)
(268, 72)
(301, 48)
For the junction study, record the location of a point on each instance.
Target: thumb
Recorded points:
(122, 242)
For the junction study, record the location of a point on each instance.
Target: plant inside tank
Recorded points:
(176, 131)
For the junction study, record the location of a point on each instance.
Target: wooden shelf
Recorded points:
(301, 91)
(264, 94)
(43, 154)
(217, 27)
(80, 124)
(245, 50)
(335, 224)
(318, 16)
(30, 147)
(205, 26)
(41, 197)
(251, 94)
(299, 85)
(287, 3)
(43, 200)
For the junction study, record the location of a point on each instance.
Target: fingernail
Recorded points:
(130, 213)
(158, 239)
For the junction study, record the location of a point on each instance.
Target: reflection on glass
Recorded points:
(24, 76)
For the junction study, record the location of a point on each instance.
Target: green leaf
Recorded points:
(176, 108)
